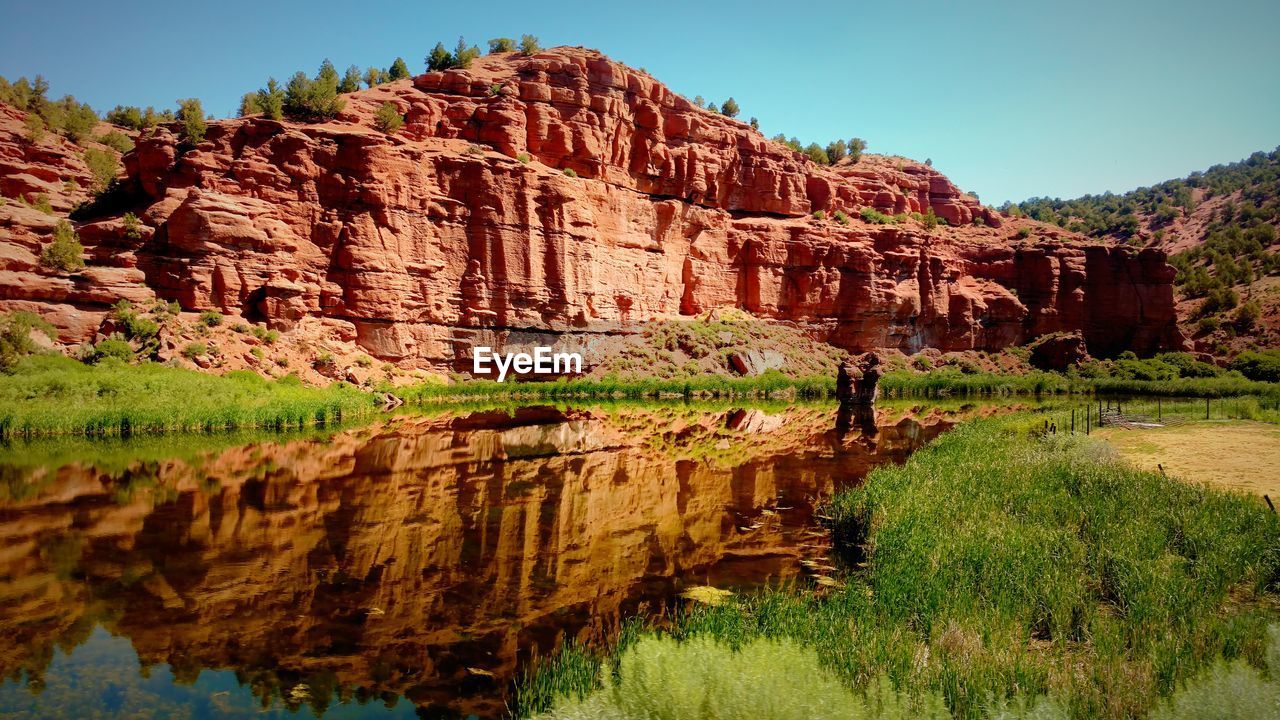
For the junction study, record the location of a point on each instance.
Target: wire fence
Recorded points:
(1150, 413)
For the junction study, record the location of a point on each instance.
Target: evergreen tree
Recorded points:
(730, 108)
(398, 70)
(350, 80)
(297, 94)
(271, 100)
(439, 58)
(372, 76)
(529, 44)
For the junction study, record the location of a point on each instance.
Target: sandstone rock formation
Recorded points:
(465, 229)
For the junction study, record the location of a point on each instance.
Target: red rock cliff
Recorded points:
(466, 227)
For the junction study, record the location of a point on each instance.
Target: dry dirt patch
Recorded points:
(1242, 455)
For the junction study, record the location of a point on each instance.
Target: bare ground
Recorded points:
(1240, 454)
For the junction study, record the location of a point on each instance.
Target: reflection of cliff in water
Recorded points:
(424, 557)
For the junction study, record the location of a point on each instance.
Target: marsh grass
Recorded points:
(1007, 569)
(53, 395)
(768, 384)
(950, 381)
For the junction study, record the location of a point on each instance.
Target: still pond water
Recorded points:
(409, 568)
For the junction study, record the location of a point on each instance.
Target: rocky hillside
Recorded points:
(1219, 227)
(559, 198)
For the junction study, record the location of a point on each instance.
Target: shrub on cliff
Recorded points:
(33, 128)
(529, 44)
(191, 115)
(130, 117)
(502, 45)
(24, 94)
(855, 147)
(876, 217)
(730, 108)
(817, 154)
(103, 165)
(117, 141)
(836, 151)
(15, 336)
(76, 119)
(388, 118)
(65, 252)
(398, 70)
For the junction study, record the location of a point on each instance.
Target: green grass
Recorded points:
(52, 395)
(951, 381)
(770, 383)
(1007, 567)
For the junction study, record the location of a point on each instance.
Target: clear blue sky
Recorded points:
(1010, 99)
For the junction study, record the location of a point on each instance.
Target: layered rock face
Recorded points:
(468, 228)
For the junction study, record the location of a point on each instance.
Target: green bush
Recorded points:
(15, 336)
(856, 146)
(113, 348)
(570, 172)
(103, 166)
(211, 318)
(268, 337)
(840, 217)
(117, 141)
(1247, 315)
(388, 118)
(817, 154)
(730, 108)
(1263, 365)
(502, 45)
(33, 128)
(42, 204)
(529, 44)
(872, 215)
(132, 226)
(65, 253)
(195, 350)
(1229, 691)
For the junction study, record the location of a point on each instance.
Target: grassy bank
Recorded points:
(1006, 573)
(53, 395)
(769, 384)
(949, 381)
